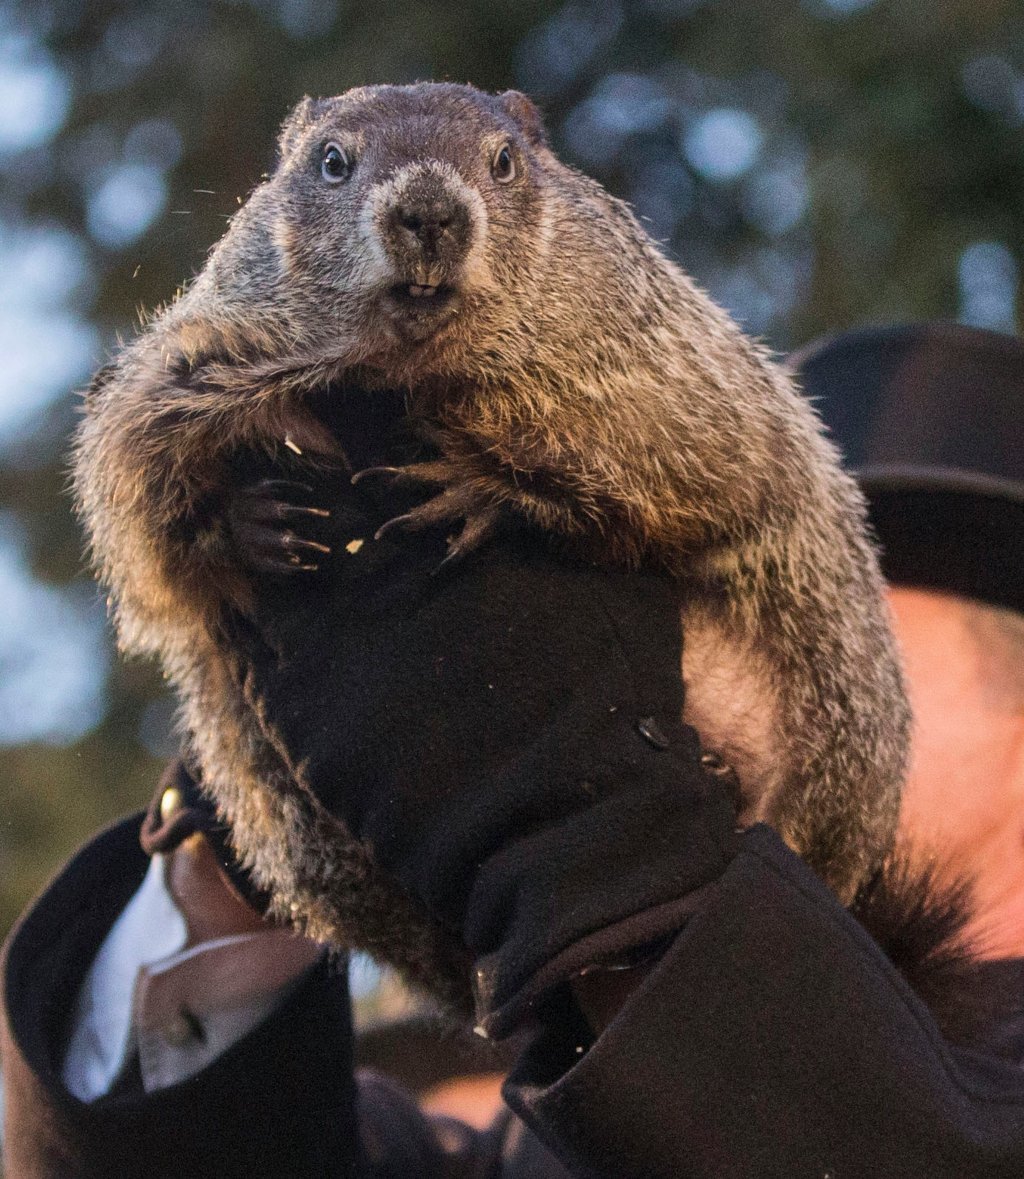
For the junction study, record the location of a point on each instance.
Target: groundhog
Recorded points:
(426, 239)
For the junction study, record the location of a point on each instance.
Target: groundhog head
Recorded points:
(406, 214)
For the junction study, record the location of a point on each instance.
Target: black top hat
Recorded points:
(931, 419)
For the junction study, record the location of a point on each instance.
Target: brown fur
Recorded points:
(922, 923)
(580, 379)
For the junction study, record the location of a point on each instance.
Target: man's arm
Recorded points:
(283, 1095)
(281, 1098)
(773, 1038)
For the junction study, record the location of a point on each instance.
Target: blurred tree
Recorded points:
(814, 163)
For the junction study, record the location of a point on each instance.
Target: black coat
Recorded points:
(773, 1039)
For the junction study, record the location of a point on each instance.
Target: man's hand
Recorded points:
(505, 735)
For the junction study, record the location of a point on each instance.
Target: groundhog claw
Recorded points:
(478, 527)
(396, 524)
(436, 471)
(270, 532)
(452, 504)
(370, 472)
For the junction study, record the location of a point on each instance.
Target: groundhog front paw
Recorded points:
(274, 531)
(460, 500)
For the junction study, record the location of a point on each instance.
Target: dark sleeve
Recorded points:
(282, 1101)
(772, 1040)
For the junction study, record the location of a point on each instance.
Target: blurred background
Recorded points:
(814, 163)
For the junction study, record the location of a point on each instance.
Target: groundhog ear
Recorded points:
(293, 128)
(525, 114)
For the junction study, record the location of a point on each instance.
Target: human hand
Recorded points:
(506, 738)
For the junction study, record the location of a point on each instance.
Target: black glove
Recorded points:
(506, 736)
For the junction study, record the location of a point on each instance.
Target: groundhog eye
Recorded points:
(503, 166)
(336, 164)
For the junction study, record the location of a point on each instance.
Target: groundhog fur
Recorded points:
(425, 238)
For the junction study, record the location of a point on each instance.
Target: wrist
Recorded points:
(207, 872)
(610, 890)
(234, 965)
(204, 895)
(600, 994)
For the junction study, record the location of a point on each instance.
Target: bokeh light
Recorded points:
(723, 144)
(125, 204)
(47, 346)
(53, 652)
(989, 283)
(34, 94)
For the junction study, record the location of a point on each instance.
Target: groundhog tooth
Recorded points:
(428, 290)
(415, 291)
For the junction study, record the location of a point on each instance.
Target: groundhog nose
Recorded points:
(434, 227)
(422, 224)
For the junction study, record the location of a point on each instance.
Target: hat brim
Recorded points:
(953, 531)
